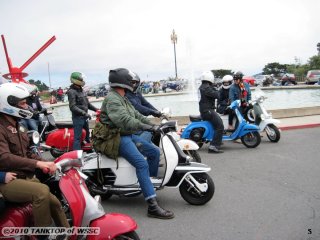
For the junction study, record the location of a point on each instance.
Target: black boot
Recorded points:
(155, 211)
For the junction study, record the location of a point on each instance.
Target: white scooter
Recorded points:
(258, 115)
(107, 177)
(188, 146)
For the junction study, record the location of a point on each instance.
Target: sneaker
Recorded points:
(214, 149)
(237, 140)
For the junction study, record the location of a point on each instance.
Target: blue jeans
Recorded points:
(30, 124)
(145, 135)
(133, 148)
(79, 123)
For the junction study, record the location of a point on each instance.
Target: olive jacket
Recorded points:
(118, 112)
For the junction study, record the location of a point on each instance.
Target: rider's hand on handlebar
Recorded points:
(87, 115)
(149, 128)
(157, 114)
(47, 166)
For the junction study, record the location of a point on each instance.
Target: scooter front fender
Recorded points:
(247, 128)
(112, 225)
(187, 144)
(266, 122)
(208, 133)
(181, 171)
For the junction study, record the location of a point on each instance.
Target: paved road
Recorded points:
(268, 193)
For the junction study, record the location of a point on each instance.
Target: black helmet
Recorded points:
(122, 78)
(238, 75)
(135, 82)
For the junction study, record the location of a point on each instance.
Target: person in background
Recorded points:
(16, 157)
(60, 94)
(224, 101)
(240, 90)
(53, 99)
(208, 96)
(118, 113)
(36, 108)
(5, 177)
(79, 106)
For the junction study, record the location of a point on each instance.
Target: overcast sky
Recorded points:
(94, 36)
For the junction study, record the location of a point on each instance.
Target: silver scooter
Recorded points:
(258, 115)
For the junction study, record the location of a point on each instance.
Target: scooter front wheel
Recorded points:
(56, 152)
(249, 114)
(251, 140)
(273, 133)
(130, 235)
(191, 194)
(194, 154)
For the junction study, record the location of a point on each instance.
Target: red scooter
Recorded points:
(58, 137)
(81, 208)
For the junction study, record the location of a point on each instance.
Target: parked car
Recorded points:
(259, 79)
(92, 90)
(313, 76)
(250, 80)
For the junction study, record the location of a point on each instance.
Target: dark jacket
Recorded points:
(208, 95)
(15, 155)
(223, 101)
(34, 103)
(78, 102)
(140, 103)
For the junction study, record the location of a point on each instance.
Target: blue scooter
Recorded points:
(202, 132)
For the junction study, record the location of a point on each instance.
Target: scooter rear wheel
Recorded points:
(251, 140)
(130, 235)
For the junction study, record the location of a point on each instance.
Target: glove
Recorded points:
(157, 114)
(44, 111)
(149, 128)
(87, 115)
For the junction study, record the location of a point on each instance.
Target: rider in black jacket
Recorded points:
(208, 95)
(79, 105)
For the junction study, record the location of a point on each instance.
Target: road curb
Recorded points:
(285, 128)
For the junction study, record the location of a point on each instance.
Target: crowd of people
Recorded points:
(124, 109)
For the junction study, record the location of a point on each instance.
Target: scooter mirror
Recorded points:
(166, 111)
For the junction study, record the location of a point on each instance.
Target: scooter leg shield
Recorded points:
(112, 225)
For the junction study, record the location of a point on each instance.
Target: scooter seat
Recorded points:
(62, 125)
(195, 118)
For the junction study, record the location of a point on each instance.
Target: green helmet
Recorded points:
(77, 78)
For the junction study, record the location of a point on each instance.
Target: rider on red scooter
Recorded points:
(16, 157)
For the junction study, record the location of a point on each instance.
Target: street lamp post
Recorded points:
(174, 39)
(318, 48)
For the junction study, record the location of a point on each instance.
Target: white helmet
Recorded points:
(10, 95)
(227, 81)
(207, 76)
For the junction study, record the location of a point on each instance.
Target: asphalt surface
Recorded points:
(267, 193)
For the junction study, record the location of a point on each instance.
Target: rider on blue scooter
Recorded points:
(208, 95)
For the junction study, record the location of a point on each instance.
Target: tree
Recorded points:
(219, 73)
(40, 85)
(274, 68)
(314, 62)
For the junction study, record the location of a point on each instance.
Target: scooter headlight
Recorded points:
(35, 137)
